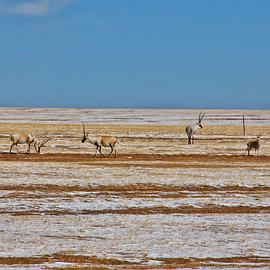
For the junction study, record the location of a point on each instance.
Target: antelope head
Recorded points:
(201, 116)
(39, 144)
(85, 135)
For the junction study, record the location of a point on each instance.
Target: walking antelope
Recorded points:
(254, 145)
(26, 138)
(191, 130)
(101, 141)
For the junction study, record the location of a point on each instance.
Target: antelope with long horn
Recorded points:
(26, 138)
(254, 145)
(191, 130)
(101, 141)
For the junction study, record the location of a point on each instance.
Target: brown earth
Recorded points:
(93, 262)
(211, 209)
(135, 157)
(137, 189)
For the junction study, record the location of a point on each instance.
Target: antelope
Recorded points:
(101, 141)
(191, 130)
(254, 145)
(26, 138)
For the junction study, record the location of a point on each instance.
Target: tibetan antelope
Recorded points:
(101, 141)
(26, 138)
(254, 145)
(191, 130)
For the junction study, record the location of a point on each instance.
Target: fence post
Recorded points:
(244, 126)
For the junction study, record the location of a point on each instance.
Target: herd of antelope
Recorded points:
(111, 141)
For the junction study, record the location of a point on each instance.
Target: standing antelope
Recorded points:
(191, 130)
(254, 145)
(101, 141)
(26, 138)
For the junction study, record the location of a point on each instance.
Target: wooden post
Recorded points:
(244, 126)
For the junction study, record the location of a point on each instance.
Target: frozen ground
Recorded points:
(131, 116)
(185, 213)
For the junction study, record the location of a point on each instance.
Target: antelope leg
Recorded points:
(17, 148)
(99, 149)
(11, 148)
(96, 152)
(28, 151)
(110, 152)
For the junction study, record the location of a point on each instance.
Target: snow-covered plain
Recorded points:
(135, 212)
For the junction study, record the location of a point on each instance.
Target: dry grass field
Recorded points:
(161, 204)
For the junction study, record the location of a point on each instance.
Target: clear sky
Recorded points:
(135, 53)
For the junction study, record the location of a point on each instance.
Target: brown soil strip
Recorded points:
(61, 258)
(218, 260)
(237, 262)
(134, 157)
(127, 191)
(209, 209)
(50, 188)
(97, 263)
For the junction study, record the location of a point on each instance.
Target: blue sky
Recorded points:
(135, 53)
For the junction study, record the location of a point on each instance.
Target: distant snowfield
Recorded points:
(132, 116)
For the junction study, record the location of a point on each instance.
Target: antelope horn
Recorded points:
(201, 115)
(44, 142)
(83, 129)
